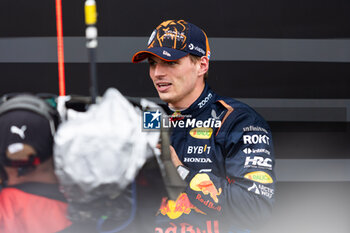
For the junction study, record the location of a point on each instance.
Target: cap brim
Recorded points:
(164, 53)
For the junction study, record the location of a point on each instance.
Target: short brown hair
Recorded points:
(196, 59)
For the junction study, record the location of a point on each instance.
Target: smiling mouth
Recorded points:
(163, 84)
(163, 87)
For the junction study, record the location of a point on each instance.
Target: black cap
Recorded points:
(25, 138)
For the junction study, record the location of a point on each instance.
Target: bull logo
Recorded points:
(201, 182)
(170, 34)
(174, 209)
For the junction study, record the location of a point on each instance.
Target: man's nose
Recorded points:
(159, 70)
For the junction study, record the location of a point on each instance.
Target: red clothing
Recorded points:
(24, 212)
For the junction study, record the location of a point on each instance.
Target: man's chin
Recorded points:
(165, 97)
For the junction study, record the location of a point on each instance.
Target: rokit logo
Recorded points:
(258, 162)
(198, 149)
(255, 139)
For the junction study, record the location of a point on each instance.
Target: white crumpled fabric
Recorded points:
(99, 152)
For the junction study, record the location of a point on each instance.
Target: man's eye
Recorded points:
(170, 63)
(151, 62)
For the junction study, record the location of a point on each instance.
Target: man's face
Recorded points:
(178, 83)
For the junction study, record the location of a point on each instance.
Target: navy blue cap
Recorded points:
(174, 39)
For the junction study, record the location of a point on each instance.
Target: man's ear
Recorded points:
(203, 65)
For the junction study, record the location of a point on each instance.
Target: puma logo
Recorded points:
(19, 131)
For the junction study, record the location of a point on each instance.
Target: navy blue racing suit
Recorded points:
(228, 150)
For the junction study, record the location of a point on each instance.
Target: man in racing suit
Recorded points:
(221, 147)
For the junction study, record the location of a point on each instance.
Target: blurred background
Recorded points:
(288, 59)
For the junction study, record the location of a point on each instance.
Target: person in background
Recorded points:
(221, 147)
(30, 200)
